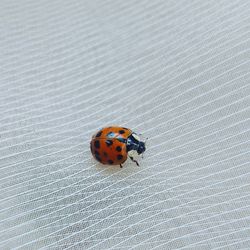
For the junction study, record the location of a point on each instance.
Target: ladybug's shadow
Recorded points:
(108, 168)
(116, 169)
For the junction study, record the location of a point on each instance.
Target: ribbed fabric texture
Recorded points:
(175, 71)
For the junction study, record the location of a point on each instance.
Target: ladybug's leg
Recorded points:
(132, 159)
(121, 166)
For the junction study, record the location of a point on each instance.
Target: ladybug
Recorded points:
(113, 145)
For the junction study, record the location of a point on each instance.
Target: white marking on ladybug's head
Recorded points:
(136, 137)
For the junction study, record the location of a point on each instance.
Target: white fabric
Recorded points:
(175, 71)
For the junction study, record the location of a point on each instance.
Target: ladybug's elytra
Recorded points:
(113, 145)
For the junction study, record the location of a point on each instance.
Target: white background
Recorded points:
(176, 71)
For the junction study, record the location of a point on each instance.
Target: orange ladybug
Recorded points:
(113, 145)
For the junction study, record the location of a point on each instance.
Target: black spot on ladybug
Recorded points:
(110, 162)
(99, 134)
(118, 149)
(119, 157)
(121, 131)
(109, 143)
(97, 144)
(97, 156)
(105, 154)
(96, 153)
(110, 134)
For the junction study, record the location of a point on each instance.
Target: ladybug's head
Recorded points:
(135, 146)
(141, 148)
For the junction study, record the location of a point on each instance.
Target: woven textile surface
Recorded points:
(175, 71)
